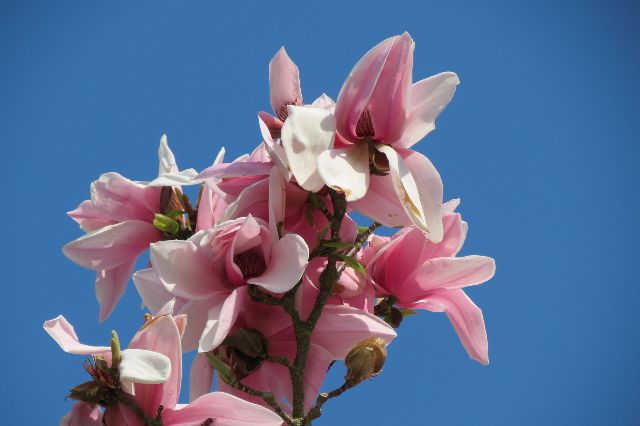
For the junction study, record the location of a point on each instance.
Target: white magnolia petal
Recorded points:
(184, 177)
(306, 133)
(429, 97)
(167, 159)
(143, 366)
(423, 202)
(346, 169)
(65, 336)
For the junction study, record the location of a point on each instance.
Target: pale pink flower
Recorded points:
(83, 414)
(118, 220)
(378, 115)
(160, 336)
(210, 273)
(424, 275)
(338, 329)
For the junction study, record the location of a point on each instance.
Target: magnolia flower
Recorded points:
(338, 329)
(141, 365)
(211, 272)
(118, 220)
(378, 116)
(422, 275)
(161, 336)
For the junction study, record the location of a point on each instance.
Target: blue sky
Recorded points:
(540, 142)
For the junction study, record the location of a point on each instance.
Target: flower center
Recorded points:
(364, 127)
(283, 113)
(251, 264)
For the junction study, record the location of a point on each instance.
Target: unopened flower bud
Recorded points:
(249, 342)
(166, 224)
(365, 360)
(115, 349)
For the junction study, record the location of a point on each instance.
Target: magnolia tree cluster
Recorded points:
(266, 275)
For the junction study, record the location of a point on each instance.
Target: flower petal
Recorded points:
(89, 217)
(200, 376)
(389, 101)
(340, 327)
(346, 170)
(221, 319)
(162, 336)
(224, 410)
(358, 87)
(142, 366)
(289, 258)
(419, 189)
(111, 285)
(429, 97)
(82, 414)
(151, 290)
(381, 203)
(284, 83)
(454, 272)
(167, 159)
(184, 269)
(65, 336)
(122, 199)
(112, 245)
(306, 133)
(466, 318)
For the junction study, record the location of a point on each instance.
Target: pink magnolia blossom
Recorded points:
(118, 220)
(424, 275)
(159, 336)
(378, 116)
(210, 272)
(338, 329)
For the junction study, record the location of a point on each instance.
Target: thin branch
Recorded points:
(316, 411)
(282, 360)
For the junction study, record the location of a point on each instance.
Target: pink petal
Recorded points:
(277, 194)
(151, 290)
(234, 170)
(429, 97)
(381, 203)
(224, 409)
(184, 269)
(358, 88)
(65, 336)
(284, 82)
(197, 312)
(389, 101)
(307, 133)
(340, 327)
(89, 217)
(83, 414)
(112, 245)
(252, 200)
(160, 335)
(289, 258)
(466, 318)
(123, 199)
(453, 272)
(111, 285)
(346, 170)
(200, 376)
(419, 189)
(220, 320)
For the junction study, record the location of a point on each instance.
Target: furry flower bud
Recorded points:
(365, 360)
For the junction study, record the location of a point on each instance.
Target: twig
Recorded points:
(315, 411)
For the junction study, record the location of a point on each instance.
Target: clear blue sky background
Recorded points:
(540, 142)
